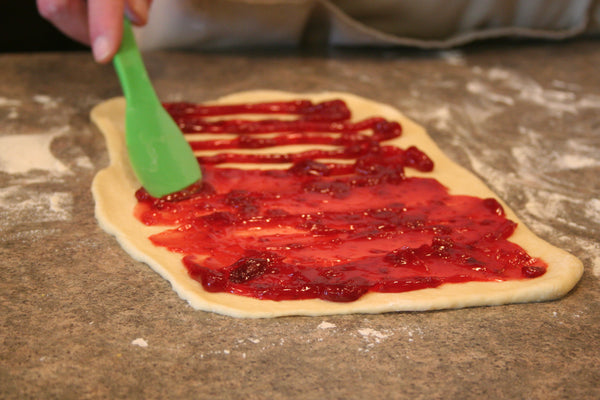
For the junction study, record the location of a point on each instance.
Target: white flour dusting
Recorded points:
(483, 90)
(412, 333)
(46, 101)
(565, 85)
(453, 57)
(29, 161)
(61, 204)
(19, 205)
(573, 161)
(23, 153)
(592, 210)
(441, 117)
(326, 325)
(29, 235)
(4, 102)
(563, 99)
(84, 162)
(596, 265)
(372, 335)
(139, 342)
(12, 106)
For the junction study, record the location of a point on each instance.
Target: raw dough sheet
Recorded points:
(114, 187)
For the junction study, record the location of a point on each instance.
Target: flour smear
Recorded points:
(27, 166)
(27, 152)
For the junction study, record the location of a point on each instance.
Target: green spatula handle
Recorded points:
(159, 154)
(132, 73)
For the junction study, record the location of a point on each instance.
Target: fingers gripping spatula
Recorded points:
(161, 158)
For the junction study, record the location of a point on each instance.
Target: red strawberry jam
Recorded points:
(334, 230)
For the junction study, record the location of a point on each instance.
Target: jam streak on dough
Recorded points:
(328, 230)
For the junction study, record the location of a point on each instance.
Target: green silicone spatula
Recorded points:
(161, 158)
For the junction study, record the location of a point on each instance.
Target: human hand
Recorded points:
(98, 23)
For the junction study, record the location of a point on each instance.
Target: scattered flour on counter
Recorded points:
(61, 204)
(84, 162)
(4, 102)
(19, 205)
(372, 335)
(500, 180)
(565, 85)
(326, 325)
(440, 117)
(555, 100)
(453, 57)
(29, 235)
(139, 342)
(563, 99)
(29, 162)
(575, 161)
(12, 106)
(589, 101)
(485, 91)
(592, 210)
(591, 251)
(596, 266)
(46, 101)
(412, 333)
(26, 152)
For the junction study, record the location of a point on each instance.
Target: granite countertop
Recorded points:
(80, 319)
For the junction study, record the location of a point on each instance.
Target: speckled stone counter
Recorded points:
(80, 319)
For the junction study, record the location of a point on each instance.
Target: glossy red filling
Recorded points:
(334, 230)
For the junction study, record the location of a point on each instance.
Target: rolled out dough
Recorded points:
(114, 187)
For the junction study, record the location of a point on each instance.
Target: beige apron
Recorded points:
(206, 24)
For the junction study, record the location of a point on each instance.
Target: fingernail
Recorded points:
(101, 49)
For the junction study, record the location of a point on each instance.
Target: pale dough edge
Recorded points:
(113, 189)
